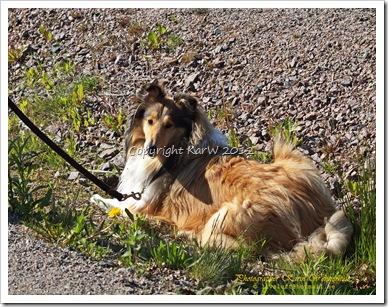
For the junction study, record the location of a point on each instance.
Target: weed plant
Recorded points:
(162, 39)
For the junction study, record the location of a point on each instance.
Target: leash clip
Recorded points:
(134, 195)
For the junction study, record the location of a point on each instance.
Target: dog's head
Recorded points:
(161, 122)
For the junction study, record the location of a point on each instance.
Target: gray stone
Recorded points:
(73, 176)
(346, 82)
(254, 140)
(108, 153)
(311, 116)
(191, 80)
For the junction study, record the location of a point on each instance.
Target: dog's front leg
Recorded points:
(105, 203)
(109, 203)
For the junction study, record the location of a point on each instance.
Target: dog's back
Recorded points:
(285, 203)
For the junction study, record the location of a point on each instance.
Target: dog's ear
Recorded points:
(139, 114)
(155, 90)
(139, 111)
(134, 133)
(186, 101)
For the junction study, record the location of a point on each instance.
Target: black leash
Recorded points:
(69, 159)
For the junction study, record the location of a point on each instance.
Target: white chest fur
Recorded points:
(137, 176)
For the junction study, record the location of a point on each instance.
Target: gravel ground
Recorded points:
(316, 66)
(38, 268)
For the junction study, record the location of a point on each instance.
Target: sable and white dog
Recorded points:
(189, 177)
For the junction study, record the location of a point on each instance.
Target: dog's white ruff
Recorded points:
(134, 178)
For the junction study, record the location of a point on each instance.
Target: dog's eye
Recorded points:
(168, 126)
(150, 121)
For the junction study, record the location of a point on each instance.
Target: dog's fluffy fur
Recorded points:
(221, 198)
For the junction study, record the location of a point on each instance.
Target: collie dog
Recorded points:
(188, 176)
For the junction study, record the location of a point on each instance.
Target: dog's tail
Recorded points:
(331, 239)
(283, 150)
(334, 237)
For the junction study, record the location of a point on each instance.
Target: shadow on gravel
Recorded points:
(12, 218)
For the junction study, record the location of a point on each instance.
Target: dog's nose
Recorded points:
(151, 150)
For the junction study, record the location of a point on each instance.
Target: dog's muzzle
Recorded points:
(151, 151)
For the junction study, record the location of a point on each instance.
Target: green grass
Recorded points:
(170, 254)
(214, 265)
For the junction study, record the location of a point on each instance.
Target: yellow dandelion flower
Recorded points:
(114, 212)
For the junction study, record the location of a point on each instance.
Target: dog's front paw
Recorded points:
(100, 202)
(105, 203)
(185, 234)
